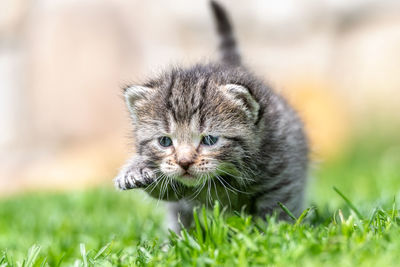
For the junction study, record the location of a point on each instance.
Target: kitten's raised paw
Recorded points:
(134, 178)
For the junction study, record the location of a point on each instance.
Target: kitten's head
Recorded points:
(195, 124)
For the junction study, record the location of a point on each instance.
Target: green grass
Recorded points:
(352, 220)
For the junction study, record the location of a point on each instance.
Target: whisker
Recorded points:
(210, 192)
(242, 180)
(159, 193)
(155, 183)
(200, 188)
(230, 188)
(235, 189)
(174, 189)
(234, 176)
(226, 191)
(216, 191)
(167, 186)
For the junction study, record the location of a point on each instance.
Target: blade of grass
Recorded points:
(32, 255)
(373, 216)
(198, 226)
(3, 260)
(84, 256)
(101, 251)
(303, 216)
(287, 211)
(393, 216)
(348, 202)
(43, 262)
(61, 259)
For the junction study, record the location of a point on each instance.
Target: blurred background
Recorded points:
(63, 124)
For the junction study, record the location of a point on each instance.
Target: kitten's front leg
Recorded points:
(179, 211)
(134, 174)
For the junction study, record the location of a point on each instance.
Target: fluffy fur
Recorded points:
(261, 155)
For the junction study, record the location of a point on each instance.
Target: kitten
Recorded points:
(214, 132)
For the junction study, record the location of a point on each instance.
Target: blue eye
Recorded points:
(209, 140)
(165, 141)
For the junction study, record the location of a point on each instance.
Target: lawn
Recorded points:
(358, 223)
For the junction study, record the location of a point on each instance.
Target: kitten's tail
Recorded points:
(228, 47)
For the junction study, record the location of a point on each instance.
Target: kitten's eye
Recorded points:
(209, 140)
(165, 141)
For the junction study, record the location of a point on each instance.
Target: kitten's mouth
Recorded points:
(188, 179)
(187, 175)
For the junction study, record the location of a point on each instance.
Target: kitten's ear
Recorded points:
(242, 96)
(134, 94)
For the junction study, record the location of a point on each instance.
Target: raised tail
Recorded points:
(227, 47)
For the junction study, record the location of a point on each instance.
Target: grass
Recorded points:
(353, 219)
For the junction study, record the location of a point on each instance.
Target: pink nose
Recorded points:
(185, 163)
(185, 156)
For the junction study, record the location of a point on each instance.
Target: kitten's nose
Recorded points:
(184, 156)
(185, 163)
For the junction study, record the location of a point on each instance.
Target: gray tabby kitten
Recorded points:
(214, 132)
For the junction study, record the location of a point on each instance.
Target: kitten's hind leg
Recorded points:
(179, 211)
(134, 174)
